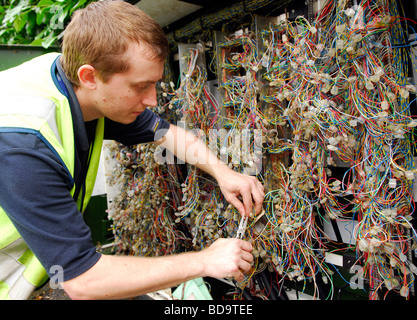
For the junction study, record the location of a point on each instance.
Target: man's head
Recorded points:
(100, 35)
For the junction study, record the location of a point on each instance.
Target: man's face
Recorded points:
(126, 95)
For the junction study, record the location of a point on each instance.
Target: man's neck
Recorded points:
(85, 98)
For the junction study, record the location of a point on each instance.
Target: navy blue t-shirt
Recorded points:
(35, 187)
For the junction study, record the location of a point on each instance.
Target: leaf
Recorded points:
(79, 4)
(61, 35)
(41, 34)
(43, 3)
(49, 40)
(36, 42)
(11, 14)
(31, 23)
(40, 22)
(40, 16)
(20, 22)
(57, 20)
(4, 31)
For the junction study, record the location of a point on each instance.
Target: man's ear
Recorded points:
(87, 76)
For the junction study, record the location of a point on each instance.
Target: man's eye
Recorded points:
(141, 88)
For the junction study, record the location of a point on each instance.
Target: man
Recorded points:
(55, 111)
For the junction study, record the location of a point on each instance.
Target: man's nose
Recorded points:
(149, 98)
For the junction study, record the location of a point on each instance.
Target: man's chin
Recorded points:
(132, 117)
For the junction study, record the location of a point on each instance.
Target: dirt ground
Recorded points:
(47, 293)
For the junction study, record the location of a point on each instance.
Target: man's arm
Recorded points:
(120, 276)
(117, 277)
(186, 146)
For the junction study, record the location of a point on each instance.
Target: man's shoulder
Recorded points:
(23, 143)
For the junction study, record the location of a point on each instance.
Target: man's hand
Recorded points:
(244, 192)
(119, 277)
(227, 258)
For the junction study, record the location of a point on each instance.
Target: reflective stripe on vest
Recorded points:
(37, 115)
(43, 111)
(21, 272)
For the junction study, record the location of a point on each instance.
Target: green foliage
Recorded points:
(35, 22)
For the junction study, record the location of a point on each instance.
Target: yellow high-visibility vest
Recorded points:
(30, 102)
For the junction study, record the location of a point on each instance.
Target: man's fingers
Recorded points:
(247, 201)
(239, 277)
(258, 194)
(246, 257)
(246, 246)
(244, 268)
(251, 194)
(234, 201)
(244, 201)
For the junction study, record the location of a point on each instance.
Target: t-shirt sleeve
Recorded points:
(147, 127)
(35, 194)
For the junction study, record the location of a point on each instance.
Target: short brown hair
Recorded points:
(100, 34)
